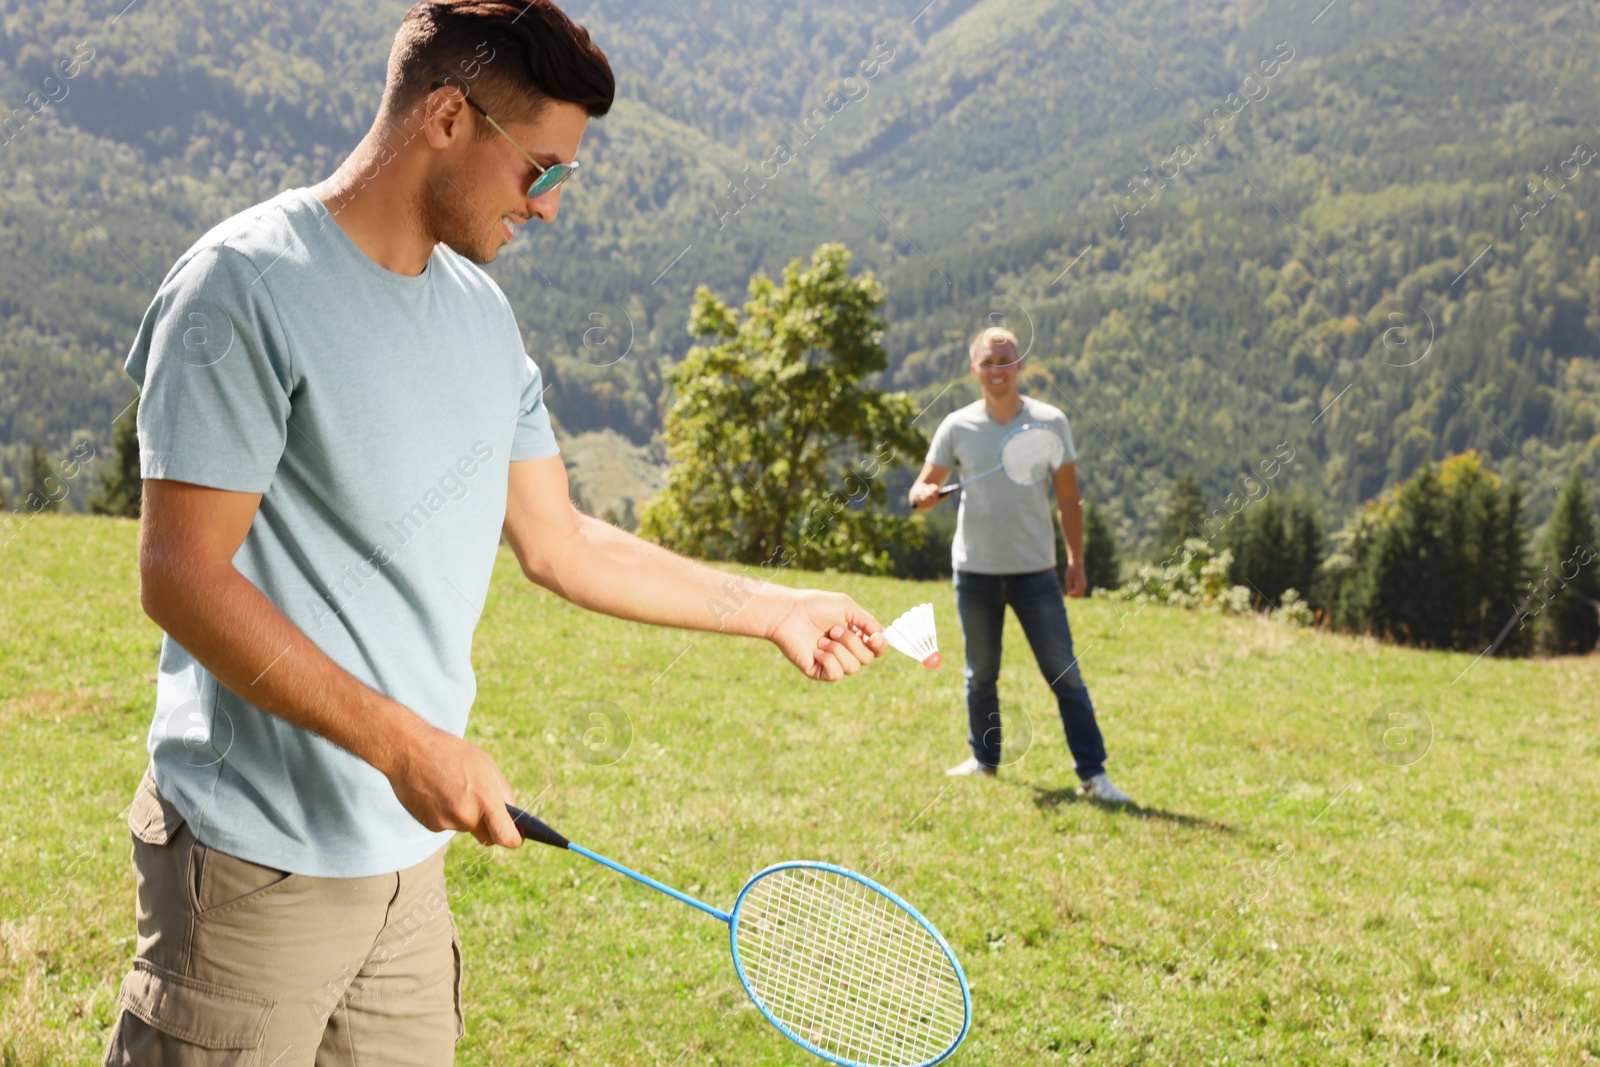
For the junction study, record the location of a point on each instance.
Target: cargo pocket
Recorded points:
(177, 1021)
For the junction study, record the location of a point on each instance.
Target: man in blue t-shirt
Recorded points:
(1004, 552)
(337, 424)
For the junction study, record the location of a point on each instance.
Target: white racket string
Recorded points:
(842, 977)
(848, 969)
(1031, 455)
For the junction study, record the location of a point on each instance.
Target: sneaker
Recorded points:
(970, 766)
(1100, 788)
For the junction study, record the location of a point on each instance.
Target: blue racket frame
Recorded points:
(946, 490)
(817, 865)
(535, 829)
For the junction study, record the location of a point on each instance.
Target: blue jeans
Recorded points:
(1037, 599)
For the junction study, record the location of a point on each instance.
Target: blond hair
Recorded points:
(991, 334)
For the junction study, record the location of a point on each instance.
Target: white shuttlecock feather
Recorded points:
(913, 633)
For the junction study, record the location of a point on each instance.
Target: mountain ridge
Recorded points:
(984, 172)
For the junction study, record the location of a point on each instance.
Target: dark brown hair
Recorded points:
(512, 57)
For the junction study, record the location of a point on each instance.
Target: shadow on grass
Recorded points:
(1053, 800)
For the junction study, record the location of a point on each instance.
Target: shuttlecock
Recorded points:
(913, 633)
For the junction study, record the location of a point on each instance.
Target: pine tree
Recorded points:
(1261, 560)
(1408, 571)
(44, 487)
(1307, 546)
(1185, 515)
(1572, 570)
(121, 486)
(1510, 604)
(1445, 561)
(1471, 537)
(1102, 562)
(1347, 577)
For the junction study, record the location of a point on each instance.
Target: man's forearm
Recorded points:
(1072, 529)
(609, 570)
(250, 646)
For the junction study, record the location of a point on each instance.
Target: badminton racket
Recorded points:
(840, 965)
(1029, 455)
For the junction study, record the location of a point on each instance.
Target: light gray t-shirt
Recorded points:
(1002, 527)
(377, 414)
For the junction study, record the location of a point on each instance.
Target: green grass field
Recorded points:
(1282, 895)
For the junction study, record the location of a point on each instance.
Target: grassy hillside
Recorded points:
(1282, 895)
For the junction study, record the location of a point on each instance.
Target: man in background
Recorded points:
(1004, 552)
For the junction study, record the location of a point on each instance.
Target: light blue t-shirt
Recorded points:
(1002, 527)
(377, 413)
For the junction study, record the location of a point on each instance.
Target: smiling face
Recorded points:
(996, 366)
(477, 193)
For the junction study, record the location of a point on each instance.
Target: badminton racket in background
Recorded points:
(913, 633)
(1029, 455)
(839, 964)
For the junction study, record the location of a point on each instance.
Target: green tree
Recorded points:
(1572, 573)
(1102, 562)
(1185, 514)
(1277, 546)
(121, 486)
(1346, 576)
(45, 488)
(778, 447)
(1474, 515)
(1307, 548)
(1408, 579)
(1261, 555)
(1441, 560)
(1515, 636)
(927, 554)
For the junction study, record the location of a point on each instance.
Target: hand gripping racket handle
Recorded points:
(946, 490)
(536, 829)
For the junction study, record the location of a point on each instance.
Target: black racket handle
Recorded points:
(536, 829)
(946, 490)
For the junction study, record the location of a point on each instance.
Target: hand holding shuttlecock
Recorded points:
(913, 633)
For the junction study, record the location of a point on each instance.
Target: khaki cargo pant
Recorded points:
(241, 964)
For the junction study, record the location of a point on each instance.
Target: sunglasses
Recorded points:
(549, 177)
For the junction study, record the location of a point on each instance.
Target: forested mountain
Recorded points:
(1221, 225)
